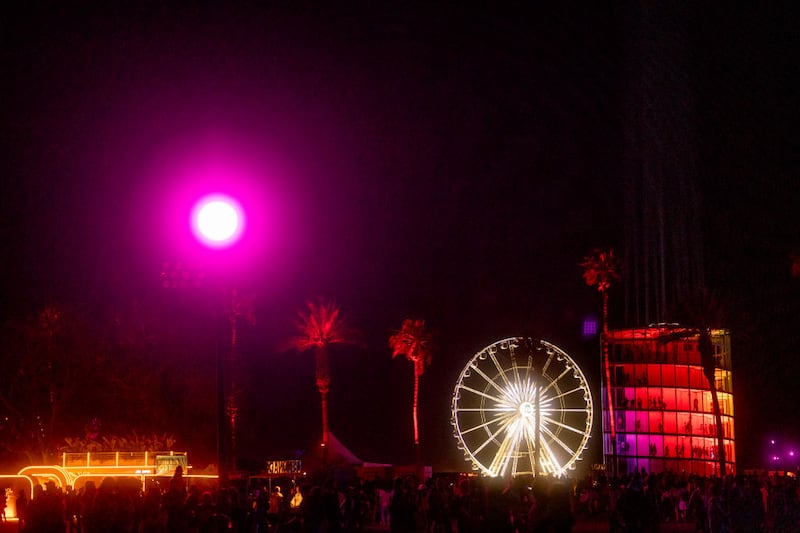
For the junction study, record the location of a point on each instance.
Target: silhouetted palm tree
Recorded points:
(236, 307)
(415, 343)
(320, 325)
(702, 312)
(49, 361)
(600, 269)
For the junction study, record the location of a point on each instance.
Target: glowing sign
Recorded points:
(166, 464)
(294, 466)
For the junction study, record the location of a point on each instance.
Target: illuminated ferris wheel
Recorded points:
(522, 402)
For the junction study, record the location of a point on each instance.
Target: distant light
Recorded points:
(217, 221)
(589, 327)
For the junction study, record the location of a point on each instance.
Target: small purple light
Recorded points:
(217, 220)
(589, 327)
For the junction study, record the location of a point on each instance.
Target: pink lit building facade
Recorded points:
(662, 402)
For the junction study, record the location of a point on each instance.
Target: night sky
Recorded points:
(440, 163)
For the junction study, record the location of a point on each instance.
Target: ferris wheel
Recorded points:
(520, 403)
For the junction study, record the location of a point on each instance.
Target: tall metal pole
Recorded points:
(609, 395)
(537, 451)
(234, 307)
(222, 423)
(217, 222)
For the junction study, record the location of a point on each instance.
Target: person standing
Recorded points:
(275, 515)
(22, 509)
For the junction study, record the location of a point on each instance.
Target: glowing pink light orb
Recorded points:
(217, 221)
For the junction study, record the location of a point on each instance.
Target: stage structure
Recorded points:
(522, 406)
(663, 404)
(142, 467)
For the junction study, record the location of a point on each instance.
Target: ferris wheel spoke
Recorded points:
(553, 410)
(552, 383)
(555, 464)
(514, 366)
(485, 410)
(550, 355)
(501, 457)
(501, 419)
(564, 410)
(514, 463)
(531, 444)
(492, 437)
(500, 370)
(480, 393)
(515, 448)
(488, 379)
(558, 441)
(567, 393)
(565, 426)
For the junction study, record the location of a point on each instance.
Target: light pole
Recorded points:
(218, 222)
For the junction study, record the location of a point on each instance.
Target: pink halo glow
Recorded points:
(217, 220)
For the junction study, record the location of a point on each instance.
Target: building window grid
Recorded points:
(659, 374)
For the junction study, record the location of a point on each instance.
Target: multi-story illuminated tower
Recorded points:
(663, 403)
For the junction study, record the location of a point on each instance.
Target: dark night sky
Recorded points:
(440, 163)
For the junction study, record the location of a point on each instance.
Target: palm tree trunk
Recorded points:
(323, 386)
(324, 401)
(417, 450)
(609, 396)
(232, 408)
(706, 348)
(324, 446)
(416, 399)
(720, 432)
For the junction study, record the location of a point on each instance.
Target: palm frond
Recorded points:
(601, 268)
(322, 323)
(413, 341)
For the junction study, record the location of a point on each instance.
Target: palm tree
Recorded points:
(600, 269)
(320, 325)
(702, 311)
(236, 307)
(415, 343)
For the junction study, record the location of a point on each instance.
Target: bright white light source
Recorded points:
(217, 221)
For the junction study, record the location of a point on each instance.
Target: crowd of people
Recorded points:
(444, 504)
(735, 503)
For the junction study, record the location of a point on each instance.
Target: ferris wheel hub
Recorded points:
(526, 409)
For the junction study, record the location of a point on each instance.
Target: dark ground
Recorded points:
(583, 525)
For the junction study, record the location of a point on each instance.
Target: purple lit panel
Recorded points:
(589, 327)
